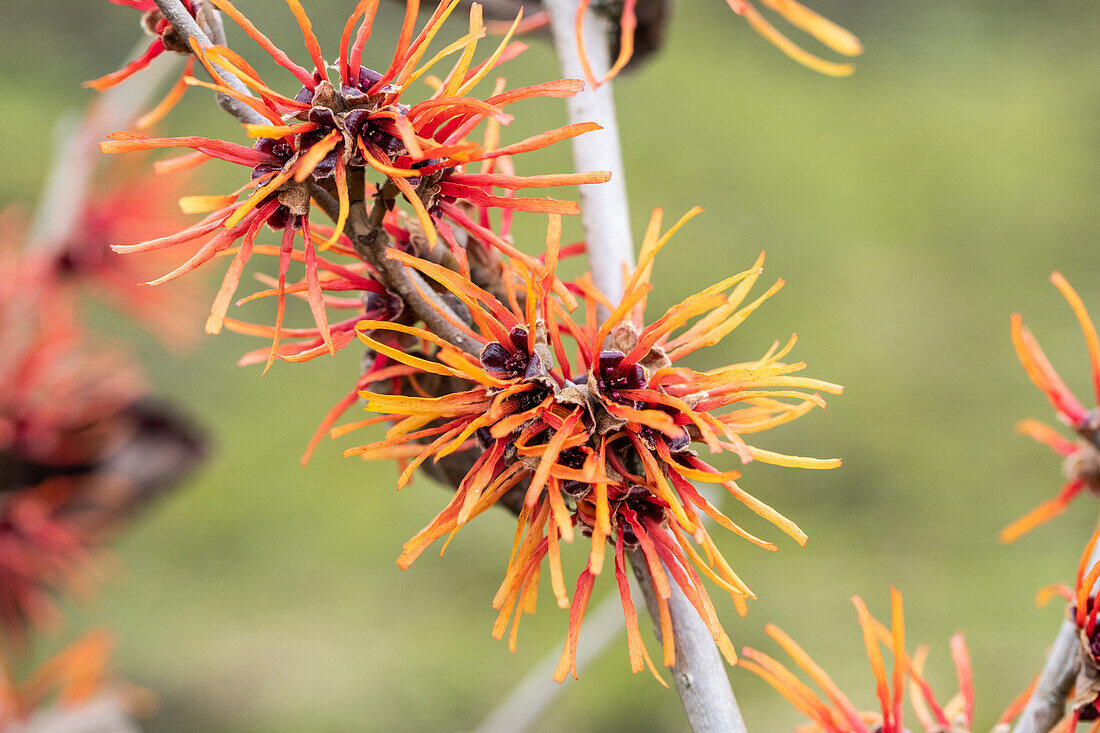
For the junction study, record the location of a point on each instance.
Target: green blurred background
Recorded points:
(911, 209)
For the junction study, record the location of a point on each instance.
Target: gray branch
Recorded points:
(371, 241)
(1047, 704)
(524, 706)
(700, 674)
(77, 141)
(604, 208)
(188, 27)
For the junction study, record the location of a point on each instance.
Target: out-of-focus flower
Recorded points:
(41, 552)
(325, 139)
(598, 443)
(68, 681)
(79, 450)
(832, 712)
(1082, 457)
(56, 393)
(829, 34)
(133, 206)
(165, 38)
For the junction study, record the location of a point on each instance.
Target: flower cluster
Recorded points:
(66, 681)
(589, 425)
(488, 368)
(322, 143)
(834, 713)
(1082, 456)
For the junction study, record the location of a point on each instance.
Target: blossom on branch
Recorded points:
(325, 141)
(833, 712)
(1081, 456)
(590, 424)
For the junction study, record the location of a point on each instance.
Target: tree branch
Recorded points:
(371, 241)
(76, 145)
(1047, 704)
(700, 674)
(523, 707)
(604, 207)
(188, 27)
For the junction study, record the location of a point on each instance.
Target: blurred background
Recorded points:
(910, 208)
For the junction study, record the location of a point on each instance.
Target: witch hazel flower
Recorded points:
(323, 141)
(831, 711)
(1081, 456)
(589, 427)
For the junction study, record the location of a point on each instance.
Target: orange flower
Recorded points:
(1082, 458)
(331, 133)
(42, 551)
(68, 410)
(69, 679)
(834, 713)
(599, 443)
(56, 391)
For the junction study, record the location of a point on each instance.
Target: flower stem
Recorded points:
(187, 27)
(76, 142)
(699, 673)
(524, 706)
(1047, 703)
(604, 208)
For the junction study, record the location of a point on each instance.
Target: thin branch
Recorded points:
(103, 714)
(525, 704)
(604, 207)
(699, 673)
(1047, 704)
(371, 242)
(76, 142)
(212, 17)
(188, 27)
(368, 235)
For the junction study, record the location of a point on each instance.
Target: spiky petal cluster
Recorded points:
(55, 391)
(832, 712)
(591, 423)
(41, 552)
(1082, 456)
(332, 135)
